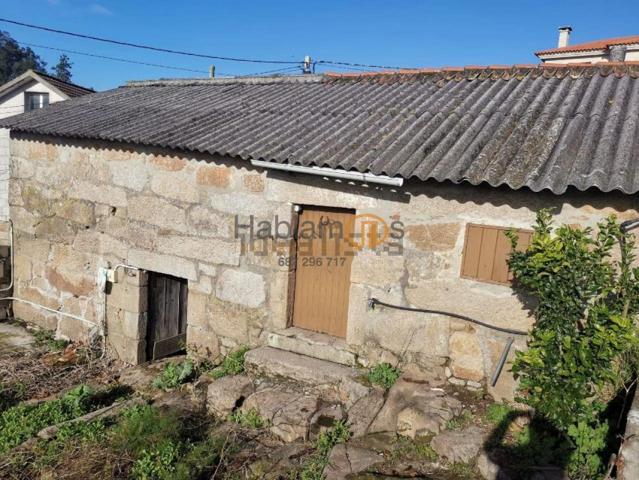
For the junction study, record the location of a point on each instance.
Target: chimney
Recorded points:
(564, 36)
(617, 53)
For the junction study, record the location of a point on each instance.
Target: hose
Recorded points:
(374, 301)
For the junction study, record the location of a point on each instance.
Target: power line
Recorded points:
(146, 47)
(271, 71)
(192, 54)
(75, 52)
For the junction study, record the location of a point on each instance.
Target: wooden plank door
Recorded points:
(166, 330)
(323, 269)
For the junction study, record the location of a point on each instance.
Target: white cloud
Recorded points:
(98, 9)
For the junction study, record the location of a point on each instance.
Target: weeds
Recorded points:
(384, 374)
(250, 418)
(413, 449)
(496, 413)
(45, 338)
(461, 421)
(174, 375)
(233, 364)
(22, 422)
(314, 467)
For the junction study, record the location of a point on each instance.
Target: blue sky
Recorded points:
(407, 33)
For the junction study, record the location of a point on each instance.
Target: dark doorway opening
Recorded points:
(166, 330)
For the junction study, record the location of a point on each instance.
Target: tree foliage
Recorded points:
(584, 337)
(62, 70)
(15, 60)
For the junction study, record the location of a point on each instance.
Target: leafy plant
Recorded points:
(22, 422)
(579, 348)
(384, 374)
(496, 413)
(251, 418)
(174, 374)
(45, 338)
(233, 364)
(314, 467)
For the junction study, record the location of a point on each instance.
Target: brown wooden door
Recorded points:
(323, 269)
(166, 330)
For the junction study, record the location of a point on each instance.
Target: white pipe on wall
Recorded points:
(331, 172)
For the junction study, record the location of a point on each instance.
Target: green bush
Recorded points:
(174, 374)
(384, 374)
(233, 364)
(22, 422)
(582, 348)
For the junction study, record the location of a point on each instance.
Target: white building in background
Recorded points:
(29, 91)
(620, 49)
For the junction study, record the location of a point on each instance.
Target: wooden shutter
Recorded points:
(486, 250)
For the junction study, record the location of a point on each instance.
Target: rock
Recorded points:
(364, 411)
(288, 413)
(326, 417)
(345, 460)
(418, 374)
(244, 288)
(227, 393)
(335, 382)
(459, 446)
(415, 409)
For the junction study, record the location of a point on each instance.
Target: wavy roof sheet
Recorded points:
(544, 127)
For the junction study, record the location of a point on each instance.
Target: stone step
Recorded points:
(312, 344)
(334, 381)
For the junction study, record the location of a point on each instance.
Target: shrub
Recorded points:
(384, 374)
(579, 348)
(233, 364)
(250, 418)
(174, 375)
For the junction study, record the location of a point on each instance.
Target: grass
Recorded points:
(413, 449)
(250, 418)
(45, 338)
(461, 421)
(233, 364)
(384, 374)
(313, 468)
(174, 374)
(496, 413)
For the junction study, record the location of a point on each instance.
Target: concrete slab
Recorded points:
(15, 338)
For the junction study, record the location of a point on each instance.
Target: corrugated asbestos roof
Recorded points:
(544, 127)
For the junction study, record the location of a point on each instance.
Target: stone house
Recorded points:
(137, 212)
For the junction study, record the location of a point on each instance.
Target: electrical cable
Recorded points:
(147, 47)
(75, 52)
(374, 301)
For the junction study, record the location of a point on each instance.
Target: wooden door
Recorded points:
(323, 269)
(166, 327)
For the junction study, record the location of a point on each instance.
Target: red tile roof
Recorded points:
(596, 45)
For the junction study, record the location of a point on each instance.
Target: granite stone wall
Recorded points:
(78, 206)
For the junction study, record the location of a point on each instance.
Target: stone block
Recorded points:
(253, 182)
(134, 325)
(459, 446)
(158, 212)
(196, 311)
(466, 358)
(168, 264)
(206, 221)
(127, 297)
(380, 271)
(132, 175)
(167, 162)
(108, 194)
(202, 342)
(136, 278)
(75, 210)
(436, 236)
(76, 284)
(178, 186)
(128, 350)
(207, 249)
(73, 329)
(243, 288)
(41, 318)
(213, 176)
